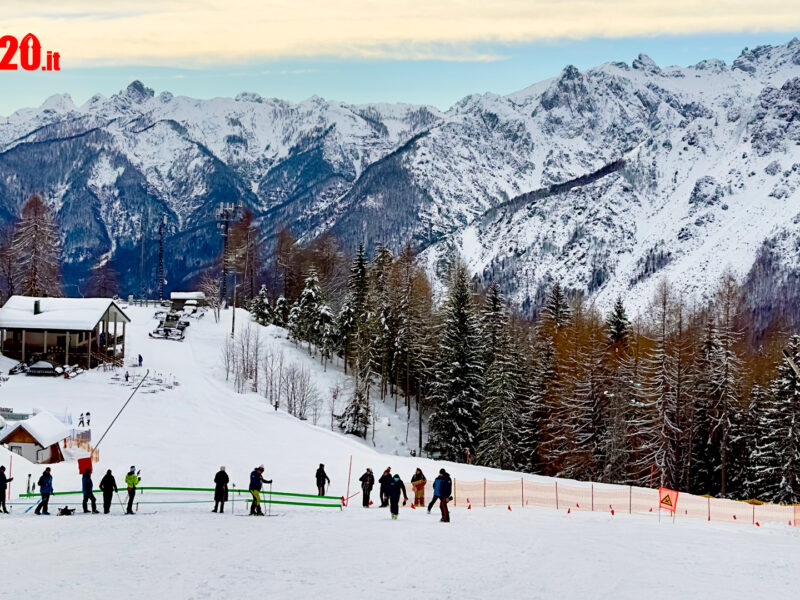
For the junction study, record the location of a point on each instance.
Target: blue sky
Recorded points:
(496, 67)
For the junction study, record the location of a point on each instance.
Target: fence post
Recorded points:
(556, 495)
(592, 497)
(754, 514)
(709, 508)
(484, 492)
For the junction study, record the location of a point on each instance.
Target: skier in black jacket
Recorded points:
(445, 489)
(384, 481)
(395, 487)
(108, 485)
(322, 478)
(221, 480)
(3, 487)
(367, 482)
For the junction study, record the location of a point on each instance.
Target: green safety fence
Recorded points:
(268, 500)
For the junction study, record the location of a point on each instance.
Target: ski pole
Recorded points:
(121, 505)
(269, 509)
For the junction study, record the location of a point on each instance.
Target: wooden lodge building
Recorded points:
(39, 438)
(67, 331)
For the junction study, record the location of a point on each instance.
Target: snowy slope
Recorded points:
(180, 436)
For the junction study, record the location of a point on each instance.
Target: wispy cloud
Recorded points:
(196, 32)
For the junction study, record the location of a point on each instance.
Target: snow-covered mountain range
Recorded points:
(605, 180)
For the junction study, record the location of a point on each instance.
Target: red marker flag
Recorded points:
(668, 499)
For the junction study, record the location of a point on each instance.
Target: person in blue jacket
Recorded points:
(45, 489)
(87, 492)
(256, 480)
(443, 491)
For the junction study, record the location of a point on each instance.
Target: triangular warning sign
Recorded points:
(666, 500)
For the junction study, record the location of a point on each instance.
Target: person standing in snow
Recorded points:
(80, 421)
(108, 485)
(221, 480)
(45, 489)
(256, 481)
(322, 478)
(88, 495)
(367, 482)
(394, 488)
(88, 419)
(437, 484)
(445, 489)
(140, 360)
(132, 479)
(384, 482)
(3, 487)
(127, 375)
(418, 482)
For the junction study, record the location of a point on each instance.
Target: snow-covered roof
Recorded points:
(187, 296)
(78, 314)
(44, 427)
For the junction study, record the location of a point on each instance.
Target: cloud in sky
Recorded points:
(201, 32)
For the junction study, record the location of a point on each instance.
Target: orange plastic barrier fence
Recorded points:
(565, 495)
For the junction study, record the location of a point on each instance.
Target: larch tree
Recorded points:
(36, 247)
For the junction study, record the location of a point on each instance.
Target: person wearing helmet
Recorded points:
(395, 488)
(322, 478)
(418, 482)
(221, 480)
(367, 482)
(256, 481)
(88, 495)
(132, 479)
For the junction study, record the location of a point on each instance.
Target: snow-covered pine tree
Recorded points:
(384, 327)
(326, 325)
(500, 408)
(37, 251)
(781, 431)
(307, 321)
(457, 387)
(530, 427)
(556, 312)
(619, 327)
(280, 316)
(699, 446)
(260, 309)
(354, 328)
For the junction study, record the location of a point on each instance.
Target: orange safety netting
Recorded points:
(575, 496)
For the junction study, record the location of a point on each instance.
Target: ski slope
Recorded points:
(181, 436)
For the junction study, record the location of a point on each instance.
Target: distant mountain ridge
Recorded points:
(706, 170)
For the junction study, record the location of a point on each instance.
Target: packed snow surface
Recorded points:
(180, 435)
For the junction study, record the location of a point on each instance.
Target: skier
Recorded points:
(4, 481)
(87, 493)
(221, 480)
(418, 482)
(45, 489)
(256, 480)
(367, 481)
(132, 479)
(322, 477)
(80, 421)
(394, 488)
(436, 496)
(140, 360)
(444, 490)
(384, 481)
(88, 419)
(127, 375)
(108, 485)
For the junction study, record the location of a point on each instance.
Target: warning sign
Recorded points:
(668, 499)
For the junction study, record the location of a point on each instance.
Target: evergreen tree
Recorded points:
(780, 446)
(619, 327)
(37, 251)
(260, 309)
(456, 393)
(556, 312)
(307, 320)
(280, 316)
